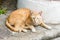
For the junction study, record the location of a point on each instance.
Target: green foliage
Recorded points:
(3, 10)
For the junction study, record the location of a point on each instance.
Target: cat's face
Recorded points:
(36, 18)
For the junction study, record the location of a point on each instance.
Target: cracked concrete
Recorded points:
(41, 34)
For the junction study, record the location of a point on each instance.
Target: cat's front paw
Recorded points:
(49, 27)
(33, 30)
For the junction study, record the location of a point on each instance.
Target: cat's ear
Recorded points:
(40, 13)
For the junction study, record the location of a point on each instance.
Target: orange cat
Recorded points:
(17, 19)
(37, 19)
(22, 19)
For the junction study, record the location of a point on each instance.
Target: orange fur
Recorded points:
(18, 19)
(24, 18)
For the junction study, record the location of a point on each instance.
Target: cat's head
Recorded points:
(36, 17)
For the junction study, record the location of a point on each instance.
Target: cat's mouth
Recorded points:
(35, 22)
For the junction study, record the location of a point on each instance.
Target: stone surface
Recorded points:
(56, 38)
(41, 34)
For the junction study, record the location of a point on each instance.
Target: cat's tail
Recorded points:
(11, 27)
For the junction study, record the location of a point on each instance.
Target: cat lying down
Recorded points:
(37, 19)
(23, 19)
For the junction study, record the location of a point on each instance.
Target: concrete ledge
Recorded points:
(41, 34)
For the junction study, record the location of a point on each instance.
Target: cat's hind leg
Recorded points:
(16, 27)
(21, 28)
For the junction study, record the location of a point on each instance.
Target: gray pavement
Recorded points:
(41, 34)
